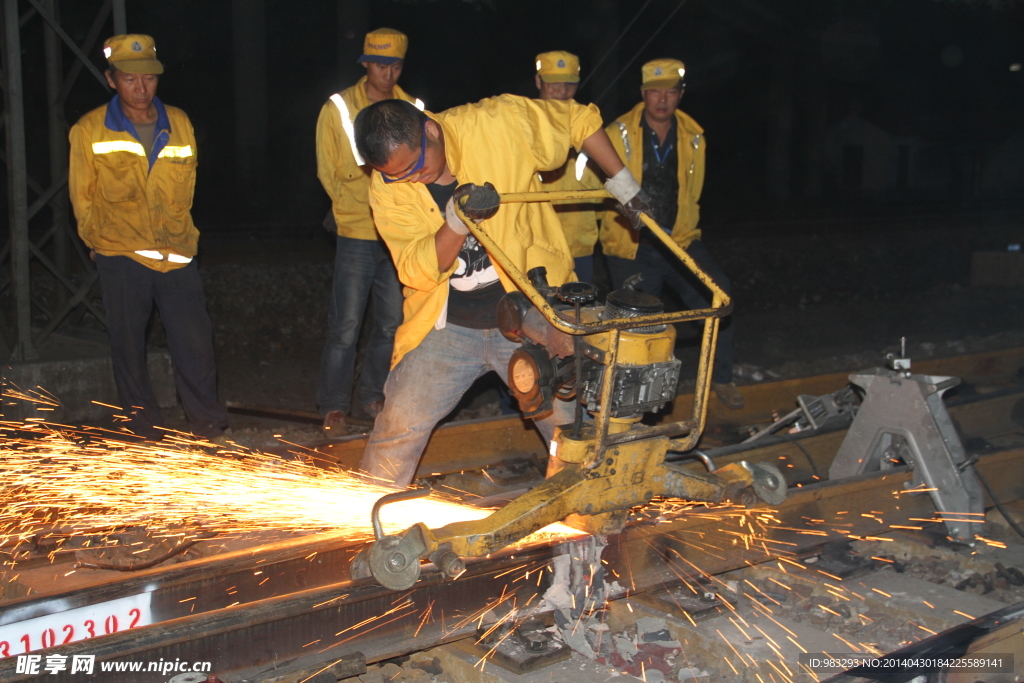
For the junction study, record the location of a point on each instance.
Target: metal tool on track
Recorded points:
(903, 420)
(616, 361)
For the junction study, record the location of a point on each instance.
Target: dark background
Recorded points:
(808, 105)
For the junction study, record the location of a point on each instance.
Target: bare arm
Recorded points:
(599, 148)
(447, 243)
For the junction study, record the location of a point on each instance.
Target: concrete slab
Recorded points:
(70, 377)
(744, 647)
(931, 605)
(459, 665)
(902, 594)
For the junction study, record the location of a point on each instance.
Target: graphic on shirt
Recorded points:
(474, 269)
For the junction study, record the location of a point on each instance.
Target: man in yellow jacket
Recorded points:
(664, 148)
(449, 334)
(131, 179)
(557, 78)
(363, 271)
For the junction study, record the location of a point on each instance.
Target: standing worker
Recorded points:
(557, 78)
(665, 149)
(131, 180)
(450, 335)
(362, 266)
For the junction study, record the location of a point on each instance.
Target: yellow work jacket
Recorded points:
(505, 140)
(346, 179)
(579, 219)
(626, 134)
(125, 202)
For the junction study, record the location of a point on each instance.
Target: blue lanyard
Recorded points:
(654, 145)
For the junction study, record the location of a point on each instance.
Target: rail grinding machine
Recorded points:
(616, 362)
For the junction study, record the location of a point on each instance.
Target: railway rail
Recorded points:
(716, 581)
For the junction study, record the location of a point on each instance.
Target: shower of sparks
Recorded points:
(57, 481)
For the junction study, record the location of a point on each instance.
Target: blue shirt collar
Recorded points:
(116, 120)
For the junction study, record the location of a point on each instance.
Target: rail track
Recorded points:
(710, 594)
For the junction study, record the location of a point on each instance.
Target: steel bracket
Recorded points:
(903, 418)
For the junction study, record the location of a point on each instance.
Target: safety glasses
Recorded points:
(419, 164)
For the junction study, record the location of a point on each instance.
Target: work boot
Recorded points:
(729, 395)
(375, 409)
(334, 424)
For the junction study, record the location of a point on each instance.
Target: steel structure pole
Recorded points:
(58, 147)
(120, 18)
(17, 182)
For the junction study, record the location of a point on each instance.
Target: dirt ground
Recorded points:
(811, 295)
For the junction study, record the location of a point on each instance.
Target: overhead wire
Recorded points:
(637, 53)
(615, 42)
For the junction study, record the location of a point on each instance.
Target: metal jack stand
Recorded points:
(903, 418)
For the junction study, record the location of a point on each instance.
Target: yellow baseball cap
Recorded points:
(385, 46)
(133, 53)
(558, 67)
(662, 73)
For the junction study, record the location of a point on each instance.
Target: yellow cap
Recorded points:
(385, 46)
(133, 53)
(662, 73)
(558, 67)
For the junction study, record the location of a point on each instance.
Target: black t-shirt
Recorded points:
(660, 175)
(475, 289)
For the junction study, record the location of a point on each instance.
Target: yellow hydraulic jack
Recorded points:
(617, 362)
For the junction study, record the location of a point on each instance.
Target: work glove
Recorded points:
(632, 201)
(481, 203)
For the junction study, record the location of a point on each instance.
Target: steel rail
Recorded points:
(323, 624)
(482, 443)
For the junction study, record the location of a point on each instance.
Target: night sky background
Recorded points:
(770, 81)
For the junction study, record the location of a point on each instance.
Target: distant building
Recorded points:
(864, 160)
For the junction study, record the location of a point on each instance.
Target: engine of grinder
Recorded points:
(551, 364)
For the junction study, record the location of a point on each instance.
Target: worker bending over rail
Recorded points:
(449, 336)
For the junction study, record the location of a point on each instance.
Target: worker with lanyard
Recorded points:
(665, 148)
(449, 334)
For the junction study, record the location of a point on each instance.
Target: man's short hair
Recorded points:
(383, 126)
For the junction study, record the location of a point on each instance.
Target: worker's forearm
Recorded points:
(447, 244)
(599, 148)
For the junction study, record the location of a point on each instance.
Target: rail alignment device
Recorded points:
(617, 362)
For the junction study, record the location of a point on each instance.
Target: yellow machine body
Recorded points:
(602, 469)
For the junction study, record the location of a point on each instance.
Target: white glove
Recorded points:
(454, 222)
(623, 186)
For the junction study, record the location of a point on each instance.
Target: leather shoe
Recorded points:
(334, 424)
(729, 395)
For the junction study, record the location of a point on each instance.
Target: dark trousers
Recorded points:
(660, 267)
(363, 275)
(129, 291)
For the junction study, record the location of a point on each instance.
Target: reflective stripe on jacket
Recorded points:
(578, 219)
(617, 239)
(505, 140)
(345, 179)
(127, 204)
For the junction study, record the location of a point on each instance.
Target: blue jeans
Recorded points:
(660, 267)
(363, 270)
(584, 267)
(129, 291)
(426, 385)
